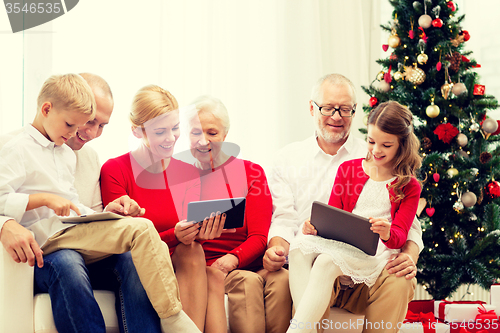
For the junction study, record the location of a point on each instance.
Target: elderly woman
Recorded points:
(164, 186)
(255, 305)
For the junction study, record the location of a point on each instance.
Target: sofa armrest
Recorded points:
(16, 295)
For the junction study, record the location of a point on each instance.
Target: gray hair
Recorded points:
(333, 79)
(207, 103)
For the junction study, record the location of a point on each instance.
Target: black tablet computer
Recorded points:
(233, 207)
(339, 225)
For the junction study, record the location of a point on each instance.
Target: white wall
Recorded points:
(260, 57)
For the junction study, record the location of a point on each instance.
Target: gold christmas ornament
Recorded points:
(490, 125)
(462, 140)
(394, 40)
(365, 120)
(459, 89)
(380, 75)
(425, 21)
(417, 76)
(432, 110)
(469, 199)
(452, 172)
(398, 76)
(422, 58)
(445, 89)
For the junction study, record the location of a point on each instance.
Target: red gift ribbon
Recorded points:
(425, 318)
(463, 330)
(445, 303)
(482, 310)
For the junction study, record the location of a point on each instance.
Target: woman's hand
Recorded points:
(213, 226)
(186, 231)
(226, 263)
(309, 229)
(382, 227)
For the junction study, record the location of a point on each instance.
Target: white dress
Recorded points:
(360, 267)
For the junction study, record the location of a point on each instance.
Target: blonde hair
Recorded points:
(393, 118)
(212, 105)
(68, 91)
(150, 102)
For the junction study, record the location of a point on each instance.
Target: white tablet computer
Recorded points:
(233, 207)
(91, 218)
(337, 224)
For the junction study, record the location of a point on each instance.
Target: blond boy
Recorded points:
(36, 187)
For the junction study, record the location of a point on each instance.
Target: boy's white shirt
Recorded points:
(33, 164)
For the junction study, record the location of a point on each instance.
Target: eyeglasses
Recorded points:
(344, 111)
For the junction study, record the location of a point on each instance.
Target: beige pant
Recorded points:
(98, 240)
(385, 302)
(258, 302)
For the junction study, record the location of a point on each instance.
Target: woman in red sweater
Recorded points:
(164, 186)
(255, 305)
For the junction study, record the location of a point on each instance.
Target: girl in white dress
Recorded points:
(381, 187)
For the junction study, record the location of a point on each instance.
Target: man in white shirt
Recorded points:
(305, 172)
(64, 272)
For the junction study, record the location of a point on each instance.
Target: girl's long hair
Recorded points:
(393, 118)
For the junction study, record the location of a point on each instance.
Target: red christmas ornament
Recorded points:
(465, 59)
(446, 132)
(436, 177)
(430, 211)
(423, 35)
(437, 23)
(387, 76)
(479, 89)
(438, 66)
(451, 5)
(385, 47)
(493, 189)
(373, 101)
(411, 34)
(466, 35)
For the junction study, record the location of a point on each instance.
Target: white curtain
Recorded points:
(259, 57)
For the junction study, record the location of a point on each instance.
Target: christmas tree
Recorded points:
(430, 71)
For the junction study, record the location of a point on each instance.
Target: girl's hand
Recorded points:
(226, 263)
(309, 229)
(382, 227)
(186, 231)
(213, 226)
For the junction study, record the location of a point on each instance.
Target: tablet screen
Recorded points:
(233, 207)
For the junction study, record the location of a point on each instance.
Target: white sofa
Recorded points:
(20, 312)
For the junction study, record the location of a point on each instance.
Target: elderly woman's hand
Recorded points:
(186, 231)
(226, 263)
(213, 226)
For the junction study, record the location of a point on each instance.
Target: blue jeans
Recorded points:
(70, 284)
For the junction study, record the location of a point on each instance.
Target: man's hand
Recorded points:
(20, 244)
(404, 263)
(60, 205)
(226, 263)
(124, 205)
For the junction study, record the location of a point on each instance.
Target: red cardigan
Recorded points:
(164, 195)
(244, 179)
(347, 188)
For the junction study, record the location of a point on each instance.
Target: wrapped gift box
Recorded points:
(495, 295)
(419, 328)
(422, 306)
(474, 327)
(463, 311)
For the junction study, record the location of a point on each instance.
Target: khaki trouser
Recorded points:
(258, 302)
(385, 302)
(98, 240)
